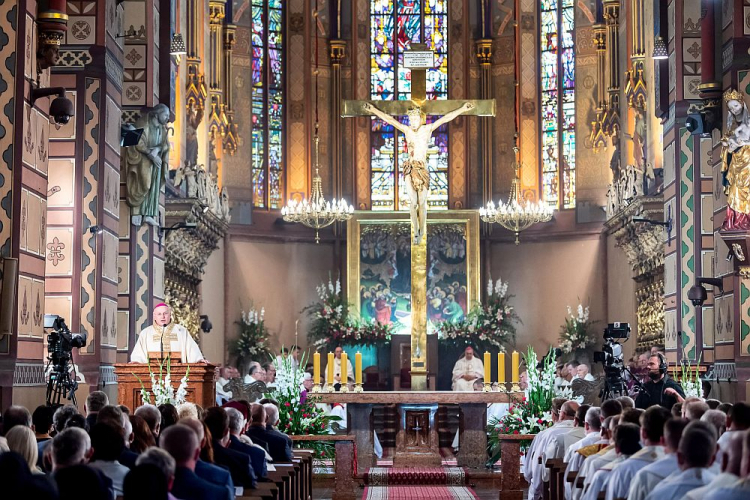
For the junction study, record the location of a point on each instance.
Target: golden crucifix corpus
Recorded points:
(418, 134)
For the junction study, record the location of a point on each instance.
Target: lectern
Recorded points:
(201, 382)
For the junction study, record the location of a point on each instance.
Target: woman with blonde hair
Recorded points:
(22, 440)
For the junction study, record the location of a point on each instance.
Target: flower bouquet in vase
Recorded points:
(162, 391)
(576, 332)
(690, 379)
(298, 413)
(252, 344)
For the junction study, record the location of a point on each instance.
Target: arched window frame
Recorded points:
(268, 103)
(391, 23)
(557, 98)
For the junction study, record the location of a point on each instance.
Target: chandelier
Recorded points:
(316, 212)
(517, 214)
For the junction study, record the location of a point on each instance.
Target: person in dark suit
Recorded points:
(237, 425)
(278, 447)
(212, 473)
(113, 416)
(239, 464)
(95, 401)
(181, 442)
(272, 421)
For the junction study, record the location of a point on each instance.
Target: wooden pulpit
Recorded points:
(201, 382)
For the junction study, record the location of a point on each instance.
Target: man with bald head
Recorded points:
(466, 370)
(731, 467)
(741, 489)
(165, 336)
(214, 474)
(181, 442)
(549, 448)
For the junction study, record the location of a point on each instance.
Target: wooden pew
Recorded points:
(556, 468)
(264, 491)
(306, 458)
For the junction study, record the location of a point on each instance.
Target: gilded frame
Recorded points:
(469, 218)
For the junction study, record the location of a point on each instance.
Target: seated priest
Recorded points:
(164, 336)
(466, 370)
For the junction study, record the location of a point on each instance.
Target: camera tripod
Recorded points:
(60, 386)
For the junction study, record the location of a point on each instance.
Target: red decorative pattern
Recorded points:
(419, 492)
(444, 476)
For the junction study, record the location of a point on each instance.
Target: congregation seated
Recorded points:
(239, 464)
(238, 424)
(182, 444)
(114, 417)
(277, 446)
(95, 401)
(205, 468)
(108, 446)
(152, 416)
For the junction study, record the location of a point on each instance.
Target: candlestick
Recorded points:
(358, 368)
(330, 369)
(358, 372)
(344, 373)
(515, 365)
(316, 372)
(501, 368)
(487, 368)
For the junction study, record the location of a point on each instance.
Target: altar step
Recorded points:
(441, 483)
(413, 476)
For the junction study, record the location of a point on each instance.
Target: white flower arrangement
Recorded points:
(691, 380)
(575, 332)
(252, 343)
(162, 391)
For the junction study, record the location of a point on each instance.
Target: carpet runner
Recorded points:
(442, 483)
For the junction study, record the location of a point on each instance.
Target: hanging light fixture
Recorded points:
(660, 49)
(316, 212)
(517, 214)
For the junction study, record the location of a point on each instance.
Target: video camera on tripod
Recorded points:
(60, 344)
(611, 357)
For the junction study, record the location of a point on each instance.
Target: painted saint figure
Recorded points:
(735, 162)
(417, 135)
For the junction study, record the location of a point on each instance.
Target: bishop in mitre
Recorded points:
(466, 370)
(164, 336)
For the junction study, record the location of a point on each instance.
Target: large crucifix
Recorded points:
(418, 134)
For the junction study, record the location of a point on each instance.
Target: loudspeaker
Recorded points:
(8, 295)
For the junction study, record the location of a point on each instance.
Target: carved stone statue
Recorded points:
(201, 179)
(145, 166)
(417, 135)
(735, 162)
(224, 201)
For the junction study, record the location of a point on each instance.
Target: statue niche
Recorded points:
(145, 166)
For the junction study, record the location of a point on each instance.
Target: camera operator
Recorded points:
(660, 389)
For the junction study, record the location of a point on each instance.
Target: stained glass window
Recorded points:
(558, 102)
(267, 103)
(394, 26)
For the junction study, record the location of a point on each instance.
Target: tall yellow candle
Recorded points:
(487, 368)
(316, 368)
(330, 369)
(501, 368)
(515, 365)
(358, 368)
(343, 368)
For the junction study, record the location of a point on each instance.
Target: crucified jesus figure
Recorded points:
(417, 134)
